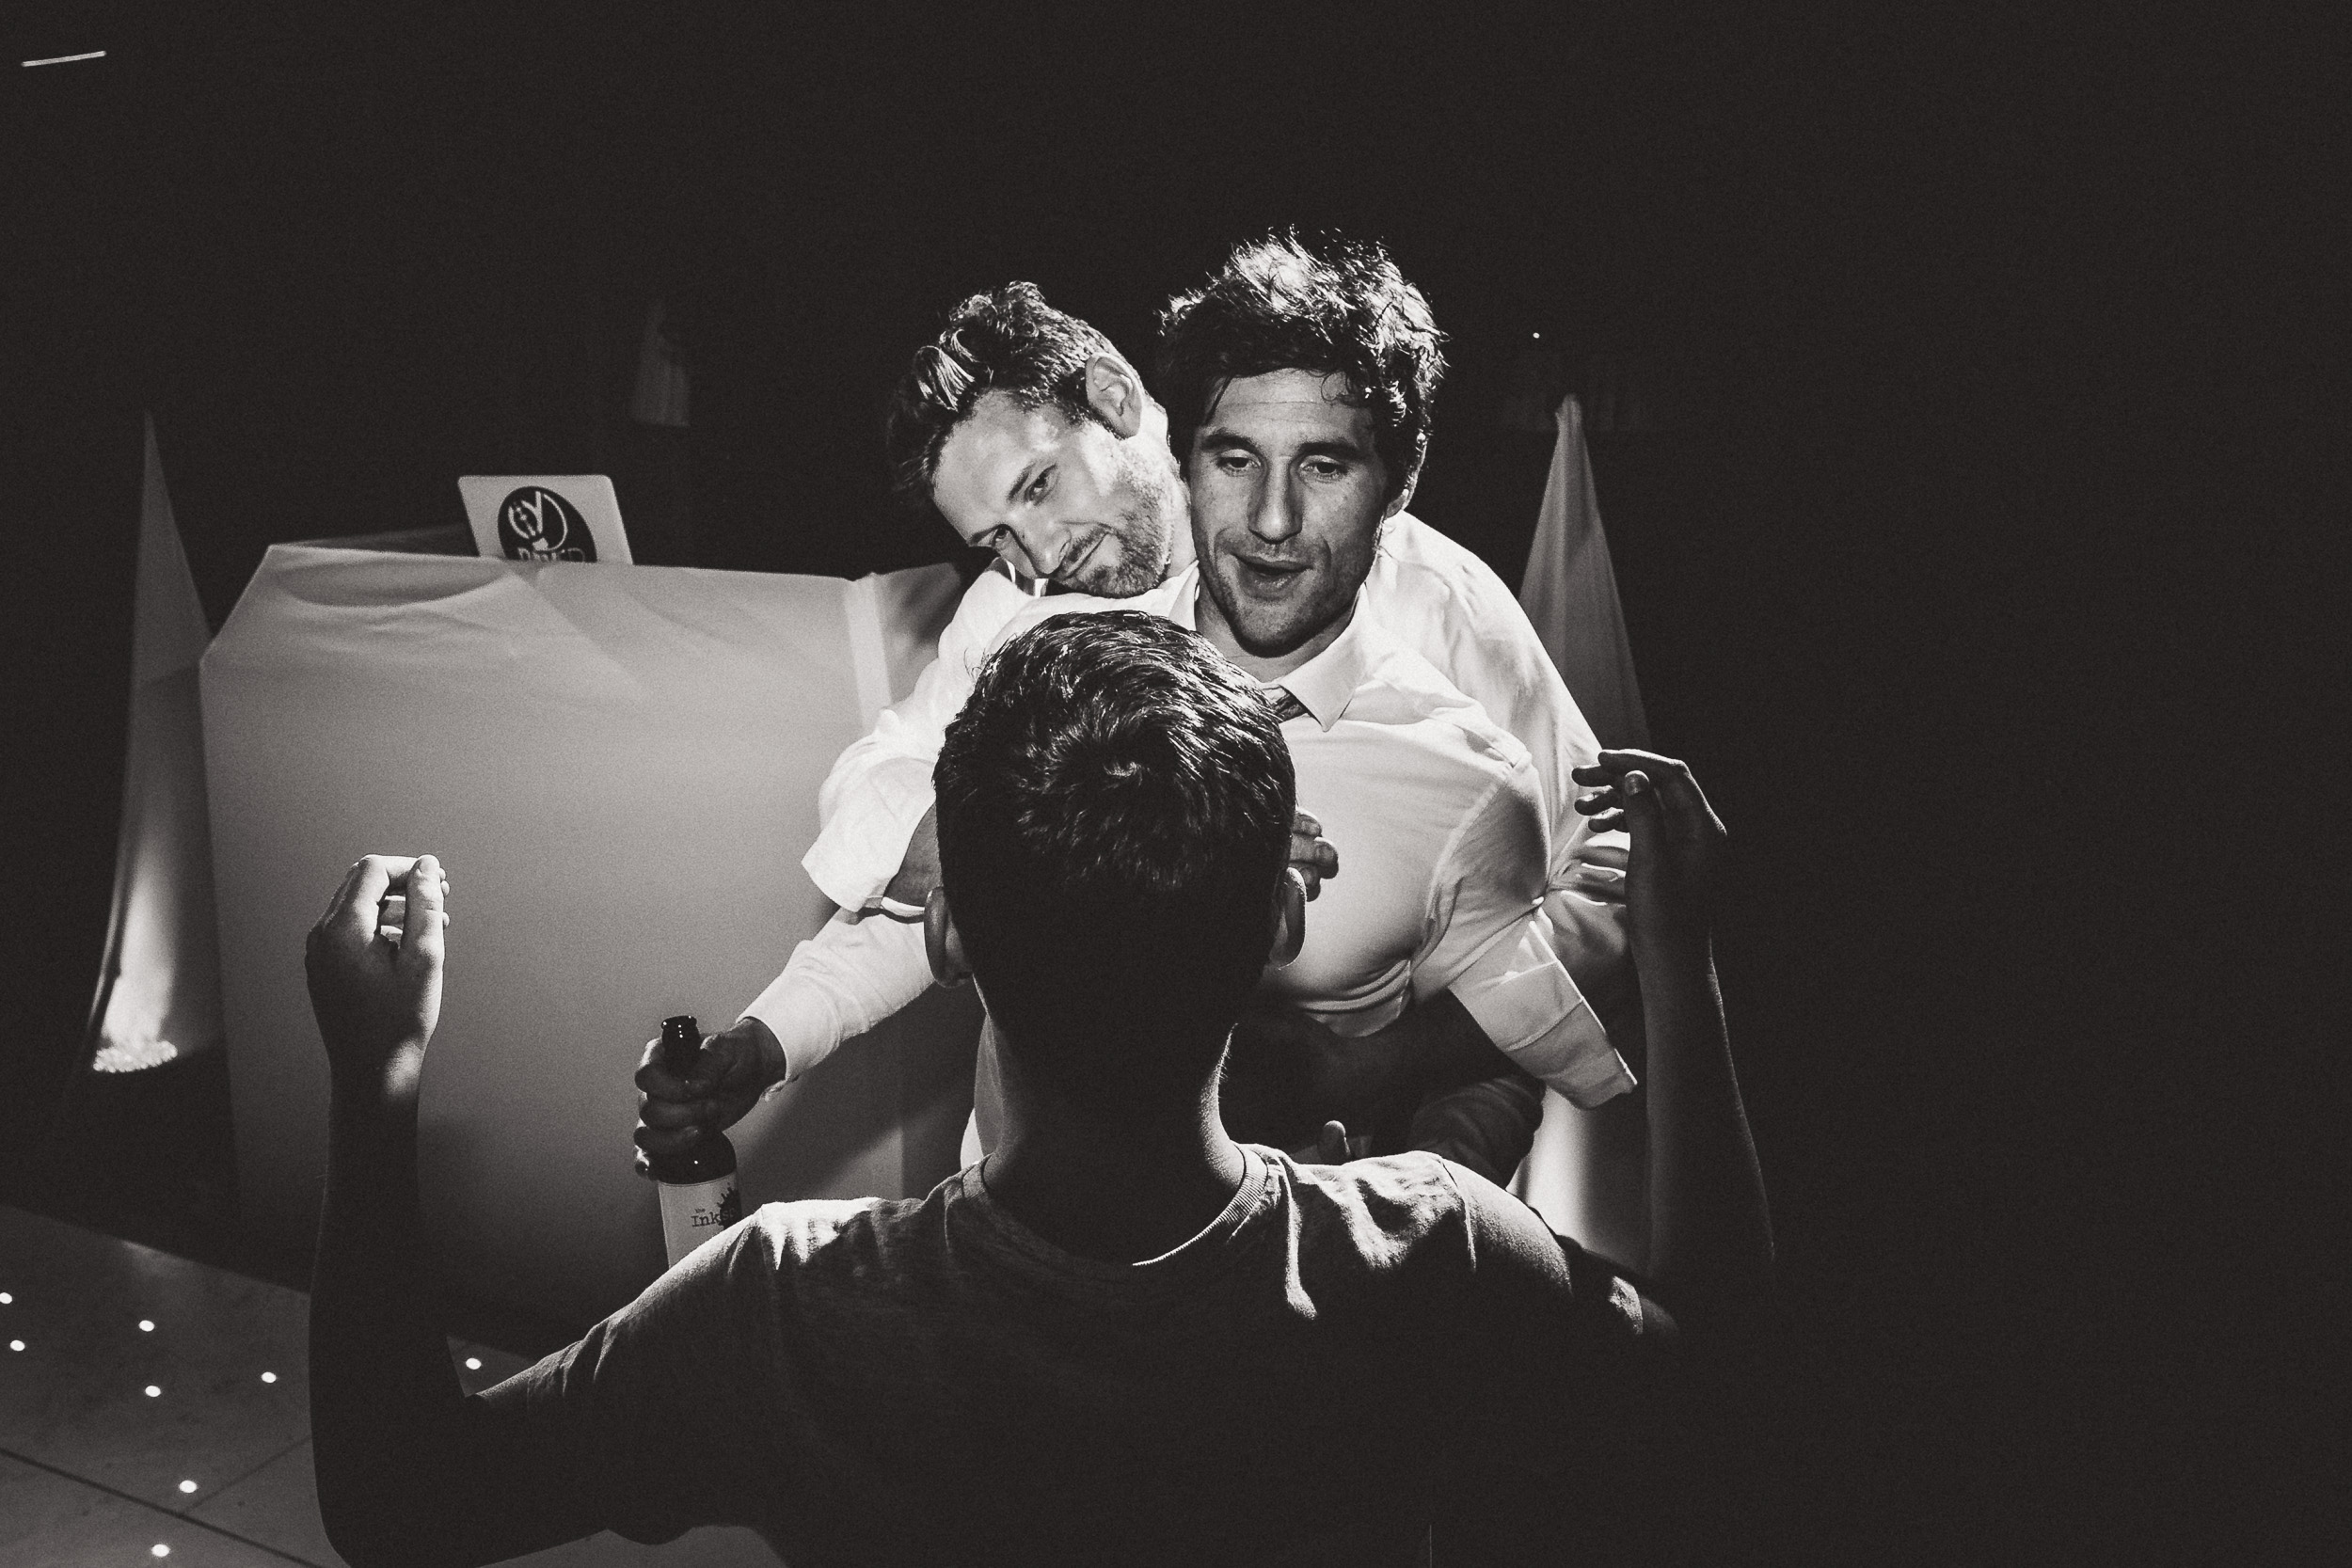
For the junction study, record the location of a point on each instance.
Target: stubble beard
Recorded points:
(1143, 533)
(1241, 618)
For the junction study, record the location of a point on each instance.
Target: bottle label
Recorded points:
(693, 1211)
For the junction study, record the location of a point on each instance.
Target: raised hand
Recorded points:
(730, 1071)
(1677, 839)
(374, 960)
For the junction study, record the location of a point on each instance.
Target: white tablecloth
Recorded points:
(619, 768)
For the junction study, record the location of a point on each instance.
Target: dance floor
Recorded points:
(156, 1409)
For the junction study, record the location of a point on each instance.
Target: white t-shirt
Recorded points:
(1310, 1379)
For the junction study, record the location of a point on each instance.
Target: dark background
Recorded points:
(1976, 550)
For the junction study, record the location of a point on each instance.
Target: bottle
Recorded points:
(697, 1185)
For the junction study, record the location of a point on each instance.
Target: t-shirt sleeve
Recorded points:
(1567, 1347)
(663, 1417)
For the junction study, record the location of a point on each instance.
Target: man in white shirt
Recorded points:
(1034, 438)
(1451, 903)
(1125, 1337)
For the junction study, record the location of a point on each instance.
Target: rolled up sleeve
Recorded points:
(1493, 947)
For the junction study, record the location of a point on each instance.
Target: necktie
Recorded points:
(1286, 706)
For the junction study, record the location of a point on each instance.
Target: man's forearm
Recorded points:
(1440, 1047)
(405, 1475)
(384, 1399)
(843, 981)
(1487, 1124)
(1710, 1230)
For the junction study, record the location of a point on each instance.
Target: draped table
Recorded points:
(619, 767)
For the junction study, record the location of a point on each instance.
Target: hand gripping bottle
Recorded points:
(697, 1185)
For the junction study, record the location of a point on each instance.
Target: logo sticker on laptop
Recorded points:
(536, 524)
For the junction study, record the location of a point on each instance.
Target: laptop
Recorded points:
(545, 517)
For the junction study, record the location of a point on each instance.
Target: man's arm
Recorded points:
(1493, 1003)
(1450, 607)
(409, 1470)
(1563, 1346)
(1711, 1232)
(849, 978)
(879, 792)
(1491, 946)
(1487, 1124)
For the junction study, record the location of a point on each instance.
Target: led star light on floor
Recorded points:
(152, 1417)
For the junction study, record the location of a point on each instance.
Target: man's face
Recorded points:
(1288, 494)
(1073, 503)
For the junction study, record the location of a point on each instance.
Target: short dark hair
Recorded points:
(1008, 340)
(1114, 817)
(1278, 303)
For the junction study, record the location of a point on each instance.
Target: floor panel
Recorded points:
(53, 1521)
(141, 1371)
(215, 1464)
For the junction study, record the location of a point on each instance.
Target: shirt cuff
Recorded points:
(850, 977)
(1523, 999)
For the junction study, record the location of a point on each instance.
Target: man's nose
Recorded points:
(1045, 542)
(1275, 517)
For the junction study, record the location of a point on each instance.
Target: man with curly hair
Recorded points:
(1297, 387)
(1125, 1337)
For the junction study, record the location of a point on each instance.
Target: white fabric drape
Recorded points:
(1584, 1174)
(164, 999)
(1570, 592)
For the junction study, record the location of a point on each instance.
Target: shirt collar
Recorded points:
(1325, 684)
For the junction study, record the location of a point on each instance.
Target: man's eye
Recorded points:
(1040, 486)
(1324, 468)
(1234, 462)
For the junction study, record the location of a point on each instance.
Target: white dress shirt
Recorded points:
(1446, 888)
(1426, 590)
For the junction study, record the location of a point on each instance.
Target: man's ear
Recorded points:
(940, 942)
(1289, 918)
(1403, 496)
(1116, 392)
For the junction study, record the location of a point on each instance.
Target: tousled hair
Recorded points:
(1114, 809)
(1335, 306)
(1009, 341)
